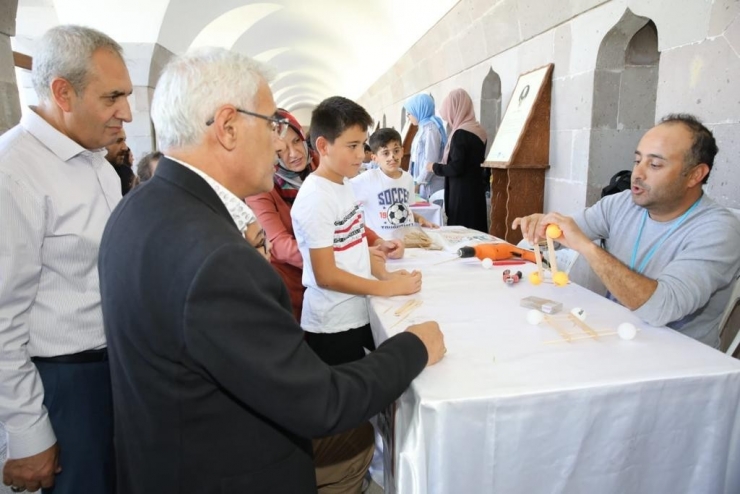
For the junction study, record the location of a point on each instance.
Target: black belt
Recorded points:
(87, 357)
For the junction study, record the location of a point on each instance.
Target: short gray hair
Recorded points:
(66, 51)
(194, 86)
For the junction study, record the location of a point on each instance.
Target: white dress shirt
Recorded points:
(237, 208)
(55, 199)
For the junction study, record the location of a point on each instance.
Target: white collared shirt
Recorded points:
(237, 208)
(55, 199)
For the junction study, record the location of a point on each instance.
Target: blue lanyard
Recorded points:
(665, 236)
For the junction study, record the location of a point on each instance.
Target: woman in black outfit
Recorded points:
(465, 195)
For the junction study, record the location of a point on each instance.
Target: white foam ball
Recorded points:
(534, 317)
(486, 263)
(627, 331)
(579, 313)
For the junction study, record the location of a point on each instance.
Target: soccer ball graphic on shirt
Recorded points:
(398, 214)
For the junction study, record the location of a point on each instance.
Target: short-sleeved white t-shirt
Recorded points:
(326, 214)
(385, 200)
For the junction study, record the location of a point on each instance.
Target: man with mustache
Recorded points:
(671, 253)
(56, 195)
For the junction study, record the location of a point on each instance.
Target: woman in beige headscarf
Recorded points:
(465, 195)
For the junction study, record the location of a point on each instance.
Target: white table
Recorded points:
(504, 412)
(430, 212)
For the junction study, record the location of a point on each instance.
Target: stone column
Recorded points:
(145, 62)
(10, 105)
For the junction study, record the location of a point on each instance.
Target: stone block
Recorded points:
(571, 102)
(140, 125)
(679, 22)
(140, 100)
(563, 45)
(138, 57)
(10, 106)
(580, 156)
(609, 152)
(724, 12)
(501, 27)
(724, 184)
(637, 95)
(700, 79)
(473, 45)
(536, 16)
(452, 58)
(564, 196)
(7, 66)
(160, 57)
(478, 8)
(458, 18)
(606, 99)
(8, 11)
(537, 52)
(732, 35)
(561, 154)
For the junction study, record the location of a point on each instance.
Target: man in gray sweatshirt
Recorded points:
(671, 254)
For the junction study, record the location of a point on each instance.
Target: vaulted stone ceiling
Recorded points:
(319, 48)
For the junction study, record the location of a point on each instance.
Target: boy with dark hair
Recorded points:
(387, 192)
(330, 230)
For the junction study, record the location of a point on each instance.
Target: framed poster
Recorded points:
(525, 98)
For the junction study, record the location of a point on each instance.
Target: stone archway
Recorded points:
(625, 91)
(490, 106)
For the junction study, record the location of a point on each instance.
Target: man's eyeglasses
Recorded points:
(279, 125)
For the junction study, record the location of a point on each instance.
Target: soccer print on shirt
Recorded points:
(394, 207)
(350, 230)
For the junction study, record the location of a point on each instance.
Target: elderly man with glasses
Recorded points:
(214, 386)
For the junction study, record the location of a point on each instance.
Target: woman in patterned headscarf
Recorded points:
(465, 195)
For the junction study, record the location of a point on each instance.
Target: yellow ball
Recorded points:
(553, 231)
(560, 278)
(534, 278)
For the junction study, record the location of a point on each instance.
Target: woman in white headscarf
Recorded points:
(428, 144)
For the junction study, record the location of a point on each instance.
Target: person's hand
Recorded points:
(400, 284)
(433, 339)
(571, 237)
(530, 226)
(425, 223)
(430, 166)
(393, 249)
(33, 472)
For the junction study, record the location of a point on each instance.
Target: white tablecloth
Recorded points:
(430, 212)
(504, 412)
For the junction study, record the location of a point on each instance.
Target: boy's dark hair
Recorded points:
(703, 148)
(383, 137)
(367, 148)
(335, 115)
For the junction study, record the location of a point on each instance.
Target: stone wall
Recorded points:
(10, 106)
(699, 60)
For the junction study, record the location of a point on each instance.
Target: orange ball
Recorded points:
(534, 278)
(560, 278)
(553, 231)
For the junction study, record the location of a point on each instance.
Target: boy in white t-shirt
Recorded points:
(330, 230)
(386, 193)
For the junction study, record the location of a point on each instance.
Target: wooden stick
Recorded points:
(563, 333)
(585, 327)
(551, 255)
(446, 260)
(584, 337)
(403, 308)
(538, 258)
(416, 305)
(408, 307)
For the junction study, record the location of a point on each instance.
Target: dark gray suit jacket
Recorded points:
(214, 388)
